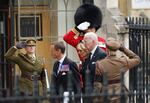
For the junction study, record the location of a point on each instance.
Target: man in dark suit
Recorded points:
(61, 69)
(88, 69)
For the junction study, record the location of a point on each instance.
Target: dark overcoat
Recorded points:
(88, 68)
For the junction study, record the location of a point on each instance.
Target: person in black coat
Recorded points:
(88, 69)
(62, 81)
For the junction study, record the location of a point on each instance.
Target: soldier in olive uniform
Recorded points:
(32, 69)
(113, 65)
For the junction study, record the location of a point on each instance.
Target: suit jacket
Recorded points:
(112, 65)
(89, 66)
(27, 66)
(59, 82)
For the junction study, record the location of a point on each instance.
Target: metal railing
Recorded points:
(139, 42)
(69, 97)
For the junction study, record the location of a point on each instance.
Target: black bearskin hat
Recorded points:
(90, 13)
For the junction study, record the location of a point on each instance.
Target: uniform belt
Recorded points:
(98, 78)
(31, 76)
(114, 81)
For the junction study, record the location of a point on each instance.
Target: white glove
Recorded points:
(83, 26)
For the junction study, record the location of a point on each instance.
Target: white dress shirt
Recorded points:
(93, 51)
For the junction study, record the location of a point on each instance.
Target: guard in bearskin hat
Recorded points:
(88, 18)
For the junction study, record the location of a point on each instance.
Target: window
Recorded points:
(30, 26)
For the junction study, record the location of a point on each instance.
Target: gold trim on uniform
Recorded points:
(77, 33)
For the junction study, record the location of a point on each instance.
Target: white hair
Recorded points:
(92, 35)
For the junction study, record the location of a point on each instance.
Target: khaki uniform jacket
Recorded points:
(27, 66)
(113, 65)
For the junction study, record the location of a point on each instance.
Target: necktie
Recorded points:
(89, 57)
(88, 62)
(57, 66)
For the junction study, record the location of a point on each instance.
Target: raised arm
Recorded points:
(133, 59)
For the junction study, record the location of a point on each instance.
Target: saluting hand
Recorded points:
(83, 26)
(20, 45)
